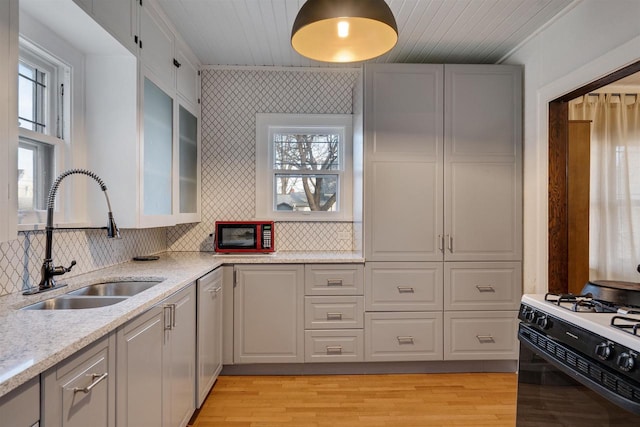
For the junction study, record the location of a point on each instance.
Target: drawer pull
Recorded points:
(334, 349)
(405, 340)
(96, 378)
(214, 291)
(334, 282)
(405, 289)
(485, 288)
(485, 339)
(334, 316)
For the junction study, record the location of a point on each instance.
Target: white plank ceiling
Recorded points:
(257, 32)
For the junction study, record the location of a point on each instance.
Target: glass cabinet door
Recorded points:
(188, 161)
(158, 150)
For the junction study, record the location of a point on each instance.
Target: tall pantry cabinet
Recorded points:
(443, 210)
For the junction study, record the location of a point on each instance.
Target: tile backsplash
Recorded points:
(21, 259)
(231, 98)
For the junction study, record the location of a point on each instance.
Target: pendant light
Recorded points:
(344, 30)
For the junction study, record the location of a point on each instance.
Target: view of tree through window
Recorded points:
(303, 163)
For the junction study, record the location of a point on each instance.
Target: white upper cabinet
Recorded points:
(443, 162)
(120, 18)
(8, 119)
(143, 139)
(187, 76)
(157, 44)
(403, 122)
(483, 163)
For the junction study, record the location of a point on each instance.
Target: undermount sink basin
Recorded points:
(95, 296)
(124, 288)
(66, 302)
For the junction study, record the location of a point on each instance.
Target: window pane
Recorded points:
(306, 192)
(298, 151)
(35, 167)
(32, 98)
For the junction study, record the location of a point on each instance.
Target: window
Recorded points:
(41, 107)
(303, 164)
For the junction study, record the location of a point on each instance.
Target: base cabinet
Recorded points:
(80, 391)
(21, 407)
(156, 364)
(209, 333)
(268, 324)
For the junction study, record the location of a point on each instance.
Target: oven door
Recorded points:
(552, 394)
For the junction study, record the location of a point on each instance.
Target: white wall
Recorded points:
(592, 39)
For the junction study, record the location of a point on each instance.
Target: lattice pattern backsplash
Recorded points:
(21, 259)
(231, 98)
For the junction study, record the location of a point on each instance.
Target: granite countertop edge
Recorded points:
(32, 341)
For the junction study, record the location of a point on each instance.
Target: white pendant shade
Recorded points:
(344, 30)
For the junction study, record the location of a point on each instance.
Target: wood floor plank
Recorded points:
(412, 400)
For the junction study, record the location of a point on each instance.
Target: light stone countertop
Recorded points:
(32, 341)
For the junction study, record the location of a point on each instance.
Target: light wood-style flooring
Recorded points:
(412, 400)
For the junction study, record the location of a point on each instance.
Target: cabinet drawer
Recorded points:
(333, 279)
(481, 335)
(403, 336)
(334, 312)
(403, 286)
(80, 391)
(334, 346)
(482, 285)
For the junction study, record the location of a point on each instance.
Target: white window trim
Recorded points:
(265, 174)
(69, 152)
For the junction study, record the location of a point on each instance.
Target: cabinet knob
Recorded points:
(176, 63)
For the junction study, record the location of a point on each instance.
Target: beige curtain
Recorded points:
(614, 219)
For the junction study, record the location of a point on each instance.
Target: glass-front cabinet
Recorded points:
(188, 166)
(157, 150)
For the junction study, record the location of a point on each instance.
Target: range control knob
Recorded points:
(627, 361)
(604, 350)
(543, 321)
(529, 315)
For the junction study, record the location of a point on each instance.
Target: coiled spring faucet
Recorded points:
(48, 271)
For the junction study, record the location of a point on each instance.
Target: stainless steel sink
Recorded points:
(66, 302)
(117, 288)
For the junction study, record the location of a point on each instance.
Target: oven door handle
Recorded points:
(578, 376)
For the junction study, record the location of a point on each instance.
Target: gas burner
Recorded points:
(580, 303)
(628, 324)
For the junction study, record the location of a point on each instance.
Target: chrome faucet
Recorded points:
(48, 271)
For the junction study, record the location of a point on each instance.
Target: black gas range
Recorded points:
(579, 360)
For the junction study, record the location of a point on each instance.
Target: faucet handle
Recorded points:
(68, 269)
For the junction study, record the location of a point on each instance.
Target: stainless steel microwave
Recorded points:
(244, 236)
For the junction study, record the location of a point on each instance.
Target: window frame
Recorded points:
(57, 126)
(266, 126)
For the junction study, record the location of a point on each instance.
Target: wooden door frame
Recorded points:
(558, 223)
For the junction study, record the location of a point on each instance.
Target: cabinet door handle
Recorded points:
(214, 291)
(334, 349)
(334, 282)
(450, 242)
(405, 340)
(485, 288)
(176, 63)
(334, 316)
(485, 339)
(441, 243)
(167, 325)
(173, 316)
(406, 290)
(96, 379)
